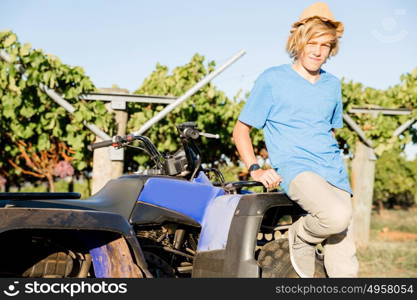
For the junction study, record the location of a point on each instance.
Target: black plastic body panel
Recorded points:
(209, 264)
(117, 196)
(53, 218)
(15, 218)
(148, 214)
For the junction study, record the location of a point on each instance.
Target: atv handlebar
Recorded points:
(187, 130)
(187, 163)
(117, 141)
(100, 145)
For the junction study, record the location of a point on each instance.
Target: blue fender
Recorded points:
(200, 200)
(216, 222)
(185, 197)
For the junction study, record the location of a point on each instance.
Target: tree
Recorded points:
(29, 116)
(47, 163)
(379, 128)
(395, 180)
(209, 108)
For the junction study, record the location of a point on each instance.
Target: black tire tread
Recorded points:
(274, 260)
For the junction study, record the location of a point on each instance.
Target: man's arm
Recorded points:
(243, 143)
(241, 137)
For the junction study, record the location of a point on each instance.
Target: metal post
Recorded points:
(403, 127)
(188, 94)
(357, 129)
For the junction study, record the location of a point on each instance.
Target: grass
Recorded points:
(392, 251)
(398, 220)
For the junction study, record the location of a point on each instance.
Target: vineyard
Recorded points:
(43, 143)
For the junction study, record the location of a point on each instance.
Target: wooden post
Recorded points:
(362, 178)
(101, 168)
(105, 169)
(121, 121)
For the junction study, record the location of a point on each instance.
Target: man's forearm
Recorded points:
(244, 144)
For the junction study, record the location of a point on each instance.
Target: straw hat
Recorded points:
(319, 10)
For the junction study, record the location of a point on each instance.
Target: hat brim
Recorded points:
(338, 25)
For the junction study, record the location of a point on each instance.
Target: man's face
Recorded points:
(315, 52)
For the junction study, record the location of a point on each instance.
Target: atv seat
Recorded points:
(117, 196)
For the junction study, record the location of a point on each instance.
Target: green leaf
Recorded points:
(28, 131)
(9, 40)
(27, 111)
(24, 50)
(43, 142)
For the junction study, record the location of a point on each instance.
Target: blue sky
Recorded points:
(120, 42)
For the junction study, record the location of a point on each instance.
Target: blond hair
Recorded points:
(312, 28)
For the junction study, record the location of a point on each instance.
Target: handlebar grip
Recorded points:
(240, 184)
(100, 145)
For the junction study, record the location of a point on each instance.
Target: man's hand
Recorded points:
(269, 178)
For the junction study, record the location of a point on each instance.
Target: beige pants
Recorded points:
(329, 220)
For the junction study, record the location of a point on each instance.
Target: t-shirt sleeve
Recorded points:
(256, 109)
(337, 118)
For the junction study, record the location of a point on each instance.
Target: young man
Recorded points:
(298, 106)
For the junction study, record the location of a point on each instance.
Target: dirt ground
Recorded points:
(397, 236)
(392, 251)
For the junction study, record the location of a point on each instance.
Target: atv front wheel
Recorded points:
(274, 260)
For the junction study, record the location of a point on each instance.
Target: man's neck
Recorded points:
(311, 76)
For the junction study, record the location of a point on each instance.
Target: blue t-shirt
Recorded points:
(297, 117)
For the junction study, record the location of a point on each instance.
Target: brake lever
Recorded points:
(210, 135)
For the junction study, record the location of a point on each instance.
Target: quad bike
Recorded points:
(168, 221)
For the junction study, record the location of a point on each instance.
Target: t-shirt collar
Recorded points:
(323, 74)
